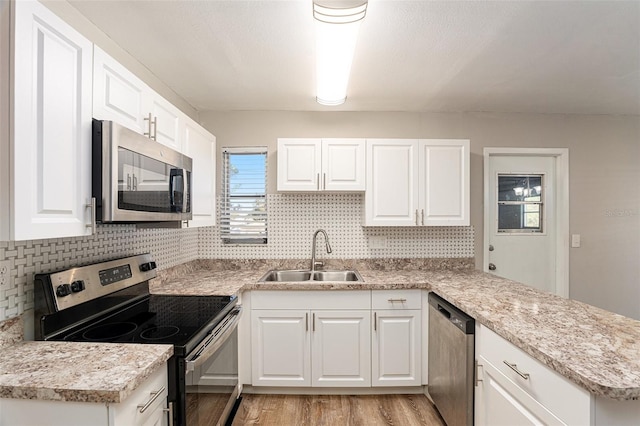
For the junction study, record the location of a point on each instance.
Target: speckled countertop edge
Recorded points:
(594, 348)
(100, 372)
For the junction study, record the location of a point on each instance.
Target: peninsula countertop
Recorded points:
(597, 349)
(99, 372)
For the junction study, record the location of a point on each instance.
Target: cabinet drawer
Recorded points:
(563, 398)
(348, 299)
(396, 299)
(128, 411)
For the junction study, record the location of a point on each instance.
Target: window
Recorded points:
(520, 204)
(243, 218)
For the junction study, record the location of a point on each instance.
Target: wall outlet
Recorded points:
(377, 242)
(575, 240)
(5, 267)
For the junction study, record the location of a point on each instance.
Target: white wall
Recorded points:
(604, 166)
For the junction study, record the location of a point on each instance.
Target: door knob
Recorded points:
(492, 267)
(491, 247)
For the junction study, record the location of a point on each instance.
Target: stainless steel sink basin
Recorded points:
(305, 275)
(336, 276)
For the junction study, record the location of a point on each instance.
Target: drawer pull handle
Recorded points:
(514, 367)
(397, 300)
(154, 396)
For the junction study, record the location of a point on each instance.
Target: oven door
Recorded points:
(212, 376)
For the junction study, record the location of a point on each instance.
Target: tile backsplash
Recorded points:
(170, 247)
(291, 222)
(293, 218)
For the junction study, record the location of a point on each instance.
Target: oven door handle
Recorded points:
(214, 340)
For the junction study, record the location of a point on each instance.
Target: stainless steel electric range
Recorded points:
(110, 302)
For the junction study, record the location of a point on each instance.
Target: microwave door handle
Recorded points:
(185, 188)
(172, 175)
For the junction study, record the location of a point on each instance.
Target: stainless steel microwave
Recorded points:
(136, 179)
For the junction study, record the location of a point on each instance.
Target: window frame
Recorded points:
(541, 230)
(227, 197)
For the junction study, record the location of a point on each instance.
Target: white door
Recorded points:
(52, 126)
(396, 348)
(280, 347)
(340, 348)
(522, 219)
(343, 164)
(391, 197)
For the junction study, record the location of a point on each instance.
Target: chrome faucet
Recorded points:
(315, 263)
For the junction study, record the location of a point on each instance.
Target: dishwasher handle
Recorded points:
(454, 315)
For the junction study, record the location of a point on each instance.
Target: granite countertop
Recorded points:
(100, 372)
(597, 349)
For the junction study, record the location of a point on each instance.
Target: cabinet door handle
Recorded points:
(416, 217)
(135, 183)
(169, 411)
(306, 321)
(478, 379)
(148, 134)
(128, 182)
(154, 395)
(324, 181)
(155, 129)
(514, 367)
(422, 217)
(92, 222)
(375, 321)
(318, 181)
(397, 300)
(313, 322)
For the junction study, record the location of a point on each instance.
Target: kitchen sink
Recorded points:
(306, 275)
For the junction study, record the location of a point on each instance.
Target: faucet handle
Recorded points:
(318, 264)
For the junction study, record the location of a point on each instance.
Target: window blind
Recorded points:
(243, 218)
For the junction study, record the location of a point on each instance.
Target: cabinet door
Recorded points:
(499, 401)
(280, 348)
(444, 182)
(343, 164)
(299, 163)
(52, 126)
(391, 196)
(200, 145)
(341, 351)
(168, 121)
(118, 95)
(397, 348)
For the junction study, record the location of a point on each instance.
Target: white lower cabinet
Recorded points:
(396, 349)
(280, 348)
(327, 339)
(151, 394)
(340, 348)
(514, 388)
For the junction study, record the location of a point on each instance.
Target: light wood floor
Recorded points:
(336, 410)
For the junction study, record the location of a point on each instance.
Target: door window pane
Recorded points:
(520, 205)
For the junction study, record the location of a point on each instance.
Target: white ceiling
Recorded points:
(439, 56)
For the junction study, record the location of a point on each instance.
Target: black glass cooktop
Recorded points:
(157, 319)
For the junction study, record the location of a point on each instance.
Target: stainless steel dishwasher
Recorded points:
(451, 361)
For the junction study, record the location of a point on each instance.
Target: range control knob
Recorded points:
(63, 290)
(148, 266)
(77, 286)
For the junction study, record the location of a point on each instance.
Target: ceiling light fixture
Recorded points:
(337, 24)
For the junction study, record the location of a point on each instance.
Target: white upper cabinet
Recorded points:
(444, 182)
(321, 164)
(48, 155)
(200, 145)
(391, 198)
(122, 97)
(343, 164)
(413, 182)
(118, 95)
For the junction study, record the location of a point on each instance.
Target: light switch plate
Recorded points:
(575, 240)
